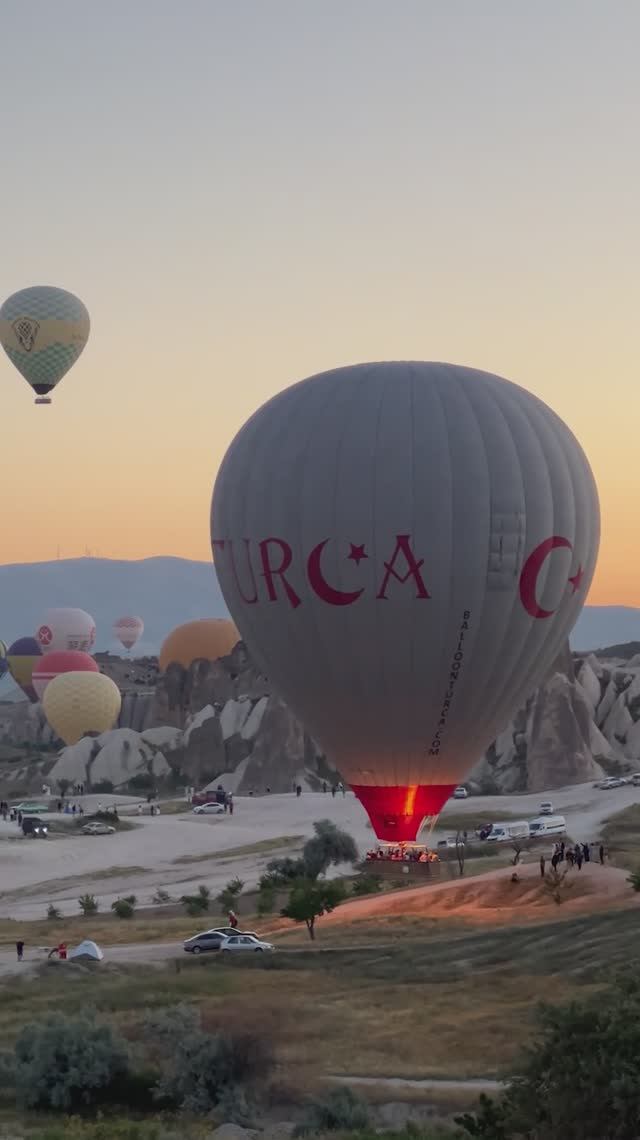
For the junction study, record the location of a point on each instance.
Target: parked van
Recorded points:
(548, 825)
(504, 832)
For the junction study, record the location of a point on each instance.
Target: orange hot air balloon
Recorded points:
(207, 639)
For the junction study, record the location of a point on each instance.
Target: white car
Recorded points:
(611, 782)
(460, 793)
(209, 809)
(546, 808)
(239, 942)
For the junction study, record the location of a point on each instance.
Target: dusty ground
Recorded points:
(178, 852)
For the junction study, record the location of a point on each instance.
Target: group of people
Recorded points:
(402, 855)
(574, 854)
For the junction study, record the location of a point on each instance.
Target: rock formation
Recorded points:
(219, 722)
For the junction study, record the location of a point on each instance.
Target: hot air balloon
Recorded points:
(4, 664)
(207, 638)
(64, 629)
(128, 630)
(79, 704)
(43, 330)
(54, 664)
(22, 657)
(404, 547)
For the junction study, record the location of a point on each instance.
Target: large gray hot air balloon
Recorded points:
(405, 547)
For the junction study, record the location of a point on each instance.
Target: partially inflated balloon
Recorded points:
(66, 628)
(128, 630)
(22, 657)
(76, 704)
(63, 661)
(207, 639)
(405, 548)
(43, 330)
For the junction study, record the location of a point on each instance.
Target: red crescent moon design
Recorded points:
(319, 584)
(531, 571)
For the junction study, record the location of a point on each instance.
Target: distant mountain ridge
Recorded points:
(165, 591)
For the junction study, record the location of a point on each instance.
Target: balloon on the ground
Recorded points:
(405, 547)
(4, 664)
(63, 661)
(22, 657)
(128, 630)
(43, 330)
(66, 628)
(207, 639)
(77, 704)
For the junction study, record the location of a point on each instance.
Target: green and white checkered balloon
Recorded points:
(43, 330)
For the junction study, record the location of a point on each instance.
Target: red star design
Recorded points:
(357, 553)
(576, 579)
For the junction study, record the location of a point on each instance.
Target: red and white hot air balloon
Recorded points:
(51, 665)
(128, 630)
(405, 547)
(66, 628)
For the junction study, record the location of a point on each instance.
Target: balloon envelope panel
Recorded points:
(66, 629)
(53, 664)
(43, 330)
(128, 630)
(405, 548)
(207, 638)
(22, 657)
(79, 703)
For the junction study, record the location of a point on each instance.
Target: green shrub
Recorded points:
(228, 897)
(266, 900)
(197, 904)
(202, 1070)
(366, 885)
(340, 1110)
(68, 1064)
(53, 912)
(634, 879)
(124, 908)
(88, 905)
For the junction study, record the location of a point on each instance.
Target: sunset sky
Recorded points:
(244, 192)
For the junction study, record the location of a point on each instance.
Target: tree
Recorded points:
(310, 900)
(557, 884)
(124, 908)
(228, 898)
(580, 1079)
(67, 1064)
(88, 905)
(198, 903)
(328, 847)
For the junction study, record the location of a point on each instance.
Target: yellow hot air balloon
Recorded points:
(76, 704)
(208, 638)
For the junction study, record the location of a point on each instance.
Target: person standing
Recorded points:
(601, 854)
(230, 802)
(233, 920)
(542, 866)
(586, 852)
(20, 950)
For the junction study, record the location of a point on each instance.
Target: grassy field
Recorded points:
(262, 847)
(621, 837)
(421, 1000)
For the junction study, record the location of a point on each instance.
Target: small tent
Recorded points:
(87, 951)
